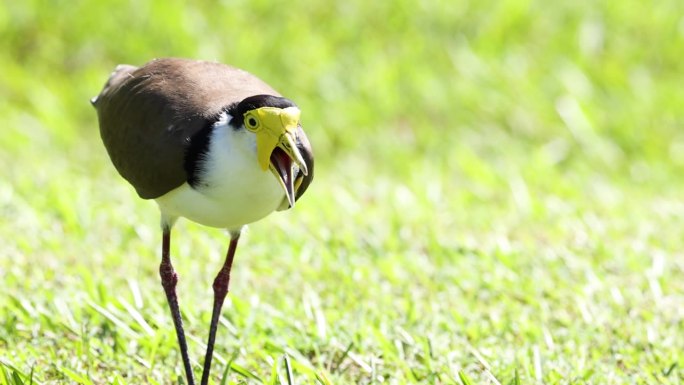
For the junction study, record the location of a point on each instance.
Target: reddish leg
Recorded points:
(220, 291)
(169, 279)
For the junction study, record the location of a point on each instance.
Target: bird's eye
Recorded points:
(251, 122)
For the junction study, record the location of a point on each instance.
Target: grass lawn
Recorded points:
(499, 197)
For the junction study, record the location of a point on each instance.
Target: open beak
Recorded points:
(284, 158)
(277, 147)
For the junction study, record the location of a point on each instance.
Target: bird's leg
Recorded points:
(169, 279)
(220, 291)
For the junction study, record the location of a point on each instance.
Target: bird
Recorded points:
(207, 142)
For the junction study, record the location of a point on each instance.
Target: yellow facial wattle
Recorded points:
(273, 126)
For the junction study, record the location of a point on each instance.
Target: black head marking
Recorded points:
(237, 111)
(198, 147)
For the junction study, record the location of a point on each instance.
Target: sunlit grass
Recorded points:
(498, 197)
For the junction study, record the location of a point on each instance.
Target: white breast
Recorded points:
(235, 190)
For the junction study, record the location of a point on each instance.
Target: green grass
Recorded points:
(498, 198)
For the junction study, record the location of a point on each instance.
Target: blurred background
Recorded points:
(468, 153)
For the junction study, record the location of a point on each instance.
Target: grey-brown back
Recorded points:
(147, 115)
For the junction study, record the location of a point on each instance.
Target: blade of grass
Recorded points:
(229, 365)
(288, 370)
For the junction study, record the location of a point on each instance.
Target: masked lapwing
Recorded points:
(207, 142)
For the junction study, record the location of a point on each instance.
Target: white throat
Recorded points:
(233, 190)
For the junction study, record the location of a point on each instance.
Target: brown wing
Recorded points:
(147, 115)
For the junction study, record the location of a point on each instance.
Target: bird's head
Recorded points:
(281, 145)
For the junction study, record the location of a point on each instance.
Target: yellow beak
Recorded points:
(277, 128)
